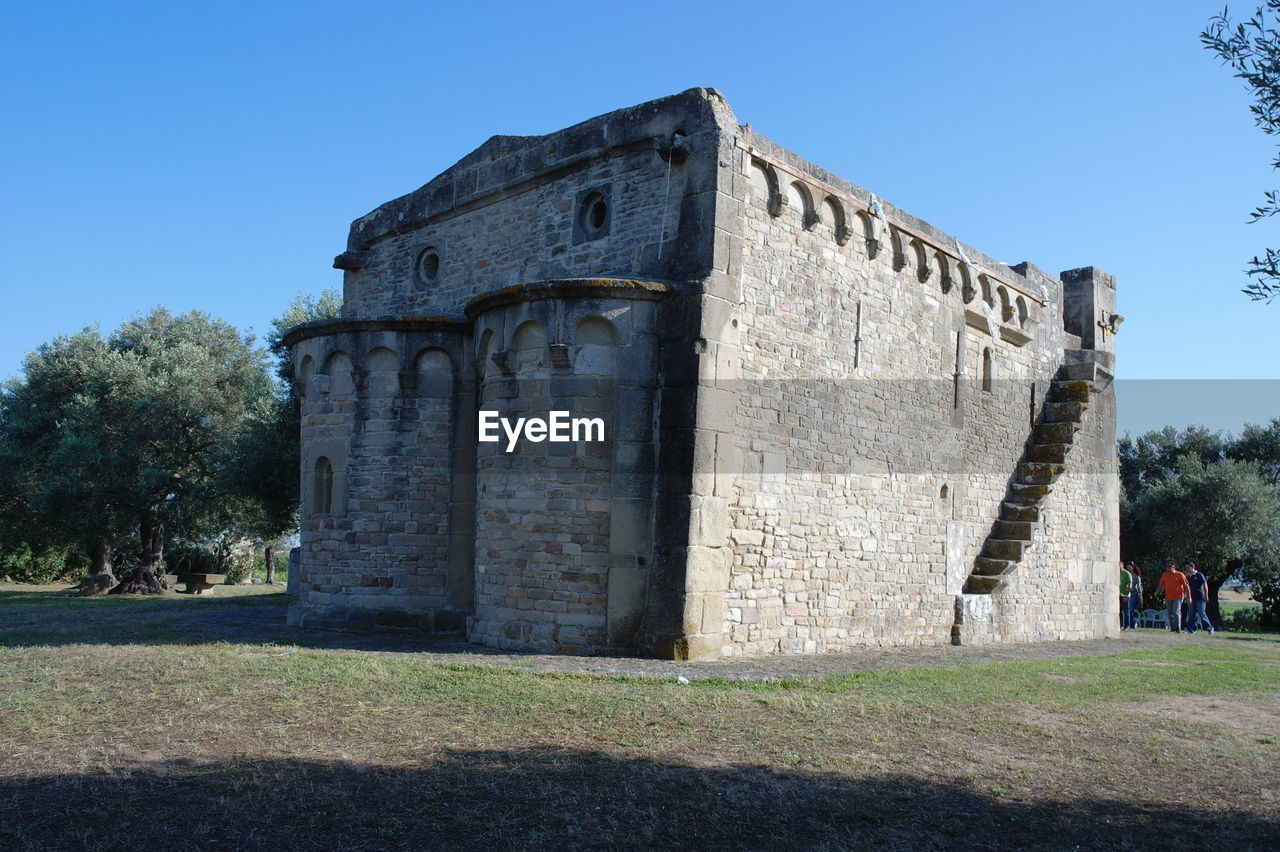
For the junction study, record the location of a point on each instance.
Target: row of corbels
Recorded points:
(908, 249)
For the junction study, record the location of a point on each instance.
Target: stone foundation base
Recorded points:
(361, 620)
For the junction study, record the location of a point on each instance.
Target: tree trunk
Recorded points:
(1211, 605)
(147, 578)
(100, 557)
(269, 557)
(153, 543)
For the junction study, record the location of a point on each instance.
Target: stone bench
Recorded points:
(197, 583)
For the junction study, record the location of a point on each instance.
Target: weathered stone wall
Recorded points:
(387, 478)
(564, 536)
(625, 195)
(871, 471)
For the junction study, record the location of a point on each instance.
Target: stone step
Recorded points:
(1053, 453)
(1071, 390)
(1028, 495)
(1038, 473)
(1015, 530)
(985, 566)
(1053, 433)
(1015, 512)
(1064, 412)
(1086, 371)
(980, 586)
(1002, 548)
(1044, 460)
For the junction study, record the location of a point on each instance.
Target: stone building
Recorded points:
(828, 424)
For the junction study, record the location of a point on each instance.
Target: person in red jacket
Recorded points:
(1175, 588)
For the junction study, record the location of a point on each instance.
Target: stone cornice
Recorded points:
(569, 288)
(329, 327)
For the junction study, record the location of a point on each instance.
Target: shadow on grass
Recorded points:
(554, 798)
(62, 617)
(47, 617)
(70, 601)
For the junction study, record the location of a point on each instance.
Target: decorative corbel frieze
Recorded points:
(351, 261)
(901, 248)
(559, 353)
(946, 276)
(502, 359)
(923, 269)
(843, 233)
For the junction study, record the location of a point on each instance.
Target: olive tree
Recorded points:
(127, 438)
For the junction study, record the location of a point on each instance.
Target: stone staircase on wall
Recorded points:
(1043, 460)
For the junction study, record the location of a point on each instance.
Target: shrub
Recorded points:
(25, 565)
(191, 559)
(237, 571)
(227, 557)
(1247, 619)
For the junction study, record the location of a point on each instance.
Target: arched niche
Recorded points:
(800, 205)
(1022, 313)
(306, 369)
(903, 255)
(485, 366)
(764, 187)
(384, 373)
(338, 368)
(322, 486)
(832, 225)
(435, 373)
(529, 347)
(920, 258)
(595, 343)
(988, 293)
(967, 290)
(946, 278)
(1006, 304)
(872, 228)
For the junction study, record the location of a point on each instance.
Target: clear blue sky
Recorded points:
(211, 156)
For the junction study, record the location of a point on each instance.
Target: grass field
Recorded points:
(1229, 607)
(119, 730)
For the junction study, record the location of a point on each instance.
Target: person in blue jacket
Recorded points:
(1199, 584)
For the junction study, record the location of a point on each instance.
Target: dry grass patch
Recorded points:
(233, 745)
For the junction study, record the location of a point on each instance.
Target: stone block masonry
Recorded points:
(828, 423)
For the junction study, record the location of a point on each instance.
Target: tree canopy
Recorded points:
(1193, 495)
(1252, 49)
(126, 438)
(171, 426)
(1152, 457)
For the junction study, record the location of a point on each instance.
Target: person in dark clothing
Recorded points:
(1135, 594)
(1199, 586)
(1126, 582)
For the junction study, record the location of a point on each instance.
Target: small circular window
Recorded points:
(594, 214)
(428, 266)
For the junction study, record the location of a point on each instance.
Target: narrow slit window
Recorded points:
(322, 488)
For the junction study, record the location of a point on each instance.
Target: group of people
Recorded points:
(1185, 597)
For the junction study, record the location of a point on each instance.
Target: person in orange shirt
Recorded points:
(1175, 588)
